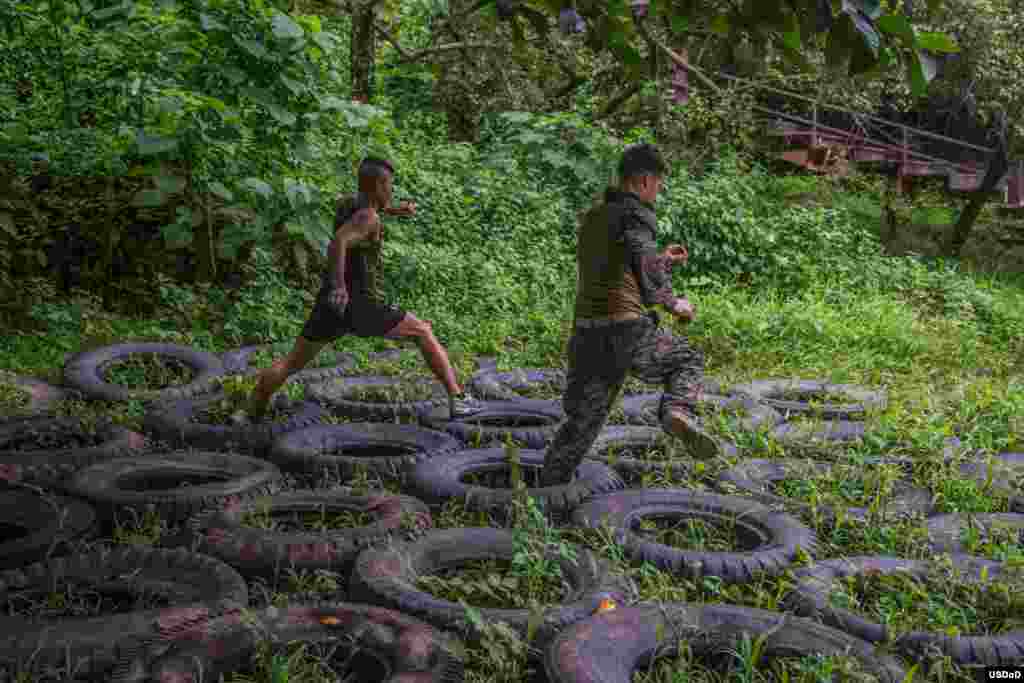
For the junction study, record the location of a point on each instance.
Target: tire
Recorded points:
(1006, 468)
(811, 434)
(92, 647)
(810, 598)
(503, 386)
(609, 647)
(642, 409)
(309, 450)
(45, 464)
(616, 438)
(944, 530)
(754, 477)
(240, 478)
(45, 522)
(862, 400)
(43, 398)
(387, 577)
(408, 649)
(334, 363)
(773, 538)
(543, 417)
(333, 393)
(85, 370)
(260, 552)
(172, 423)
(440, 479)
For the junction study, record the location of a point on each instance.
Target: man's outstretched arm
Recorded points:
(651, 269)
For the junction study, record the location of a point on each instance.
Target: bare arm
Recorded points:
(364, 225)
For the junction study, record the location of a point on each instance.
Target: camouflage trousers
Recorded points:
(600, 359)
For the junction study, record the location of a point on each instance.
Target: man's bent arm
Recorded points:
(359, 227)
(651, 269)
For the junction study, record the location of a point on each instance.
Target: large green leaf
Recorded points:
(259, 187)
(253, 47)
(170, 184)
(178, 234)
(281, 115)
(154, 144)
(896, 25)
(923, 68)
(224, 193)
(937, 42)
(149, 198)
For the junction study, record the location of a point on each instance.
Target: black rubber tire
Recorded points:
(180, 576)
(309, 450)
(754, 478)
(260, 552)
(49, 521)
(241, 477)
(774, 537)
(236, 362)
(469, 429)
(1006, 468)
(94, 647)
(616, 438)
(43, 396)
(84, 372)
(439, 479)
(172, 423)
(862, 399)
(504, 386)
(332, 394)
(410, 650)
(611, 646)
(642, 409)
(810, 434)
(486, 363)
(810, 598)
(46, 466)
(944, 530)
(387, 577)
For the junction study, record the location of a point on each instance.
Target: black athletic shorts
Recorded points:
(363, 318)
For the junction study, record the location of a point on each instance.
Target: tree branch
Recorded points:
(620, 99)
(679, 60)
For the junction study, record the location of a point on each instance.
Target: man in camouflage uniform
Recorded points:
(350, 300)
(621, 272)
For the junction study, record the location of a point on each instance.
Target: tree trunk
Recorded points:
(364, 50)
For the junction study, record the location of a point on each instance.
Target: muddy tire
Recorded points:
(85, 372)
(31, 524)
(505, 386)
(332, 363)
(406, 648)
(43, 397)
(440, 479)
(175, 424)
(387, 577)
(337, 396)
(811, 434)
(810, 598)
(532, 424)
(617, 445)
(642, 409)
(772, 539)
(263, 552)
(30, 450)
(756, 477)
(609, 647)
(164, 482)
(944, 531)
(861, 400)
(1007, 468)
(343, 450)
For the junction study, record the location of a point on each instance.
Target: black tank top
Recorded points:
(362, 263)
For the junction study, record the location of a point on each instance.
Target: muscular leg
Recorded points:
(433, 353)
(271, 379)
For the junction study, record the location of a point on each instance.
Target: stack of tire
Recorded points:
(206, 478)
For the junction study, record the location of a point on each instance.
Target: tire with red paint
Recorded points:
(530, 423)
(610, 647)
(945, 531)
(861, 400)
(30, 450)
(262, 552)
(409, 650)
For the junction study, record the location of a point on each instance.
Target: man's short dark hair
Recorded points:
(643, 159)
(374, 167)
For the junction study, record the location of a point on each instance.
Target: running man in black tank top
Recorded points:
(350, 300)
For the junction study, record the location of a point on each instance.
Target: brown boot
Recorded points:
(682, 423)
